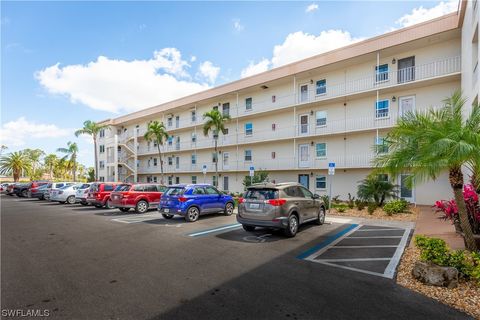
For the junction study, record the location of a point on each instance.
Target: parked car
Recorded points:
(10, 189)
(4, 186)
(34, 185)
(39, 192)
(141, 197)
(81, 194)
(66, 194)
(193, 200)
(282, 206)
(21, 189)
(53, 187)
(99, 194)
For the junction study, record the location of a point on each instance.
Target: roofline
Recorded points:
(441, 24)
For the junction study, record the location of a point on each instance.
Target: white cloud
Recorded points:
(208, 71)
(423, 14)
(16, 133)
(254, 68)
(312, 7)
(120, 85)
(193, 58)
(237, 25)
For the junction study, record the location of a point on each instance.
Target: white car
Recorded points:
(53, 188)
(81, 194)
(65, 193)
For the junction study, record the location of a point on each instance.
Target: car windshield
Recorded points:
(123, 187)
(94, 187)
(64, 187)
(175, 191)
(261, 194)
(83, 185)
(45, 186)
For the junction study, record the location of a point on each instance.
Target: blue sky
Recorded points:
(66, 62)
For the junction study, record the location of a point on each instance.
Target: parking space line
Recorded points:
(352, 269)
(356, 259)
(390, 270)
(218, 229)
(370, 230)
(356, 247)
(375, 237)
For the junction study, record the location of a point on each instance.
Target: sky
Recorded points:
(65, 62)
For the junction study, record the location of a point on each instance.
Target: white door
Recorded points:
(406, 192)
(303, 93)
(304, 155)
(406, 104)
(225, 163)
(304, 125)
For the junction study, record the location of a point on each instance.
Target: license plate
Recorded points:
(254, 205)
(166, 210)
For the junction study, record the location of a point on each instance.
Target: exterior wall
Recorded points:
(470, 53)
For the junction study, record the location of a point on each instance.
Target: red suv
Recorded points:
(99, 194)
(141, 196)
(34, 187)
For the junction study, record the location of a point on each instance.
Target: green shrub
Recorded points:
(373, 188)
(372, 206)
(433, 250)
(341, 207)
(395, 206)
(325, 200)
(360, 204)
(475, 256)
(351, 201)
(336, 199)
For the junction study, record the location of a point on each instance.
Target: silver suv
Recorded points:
(281, 206)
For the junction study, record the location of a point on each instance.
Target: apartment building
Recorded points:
(296, 119)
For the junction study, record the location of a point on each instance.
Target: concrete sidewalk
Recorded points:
(432, 225)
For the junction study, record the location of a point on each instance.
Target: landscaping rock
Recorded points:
(435, 275)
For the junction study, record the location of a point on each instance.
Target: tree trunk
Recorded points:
(16, 176)
(456, 182)
(74, 168)
(96, 160)
(161, 163)
(216, 164)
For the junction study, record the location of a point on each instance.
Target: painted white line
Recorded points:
(372, 230)
(351, 269)
(390, 270)
(321, 251)
(354, 259)
(357, 247)
(214, 230)
(376, 237)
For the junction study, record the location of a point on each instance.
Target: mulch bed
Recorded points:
(379, 214)
(465, 297)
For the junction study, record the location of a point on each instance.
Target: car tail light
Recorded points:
(182, 199)
(97, 195)
(277, 202)
(241, 200)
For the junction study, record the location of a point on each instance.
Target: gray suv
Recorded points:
(282, 206)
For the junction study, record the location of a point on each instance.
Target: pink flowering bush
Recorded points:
(450, 210)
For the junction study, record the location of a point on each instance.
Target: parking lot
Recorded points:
(86, 263)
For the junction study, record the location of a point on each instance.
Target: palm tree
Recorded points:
(50, 162)
(376, 189)
(157, 133)
(14, 163)
(428, 143)
(215, 123)
(3, 148)
(34, 156)
(92, 129)
(71, 150)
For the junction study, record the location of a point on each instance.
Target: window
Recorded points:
(273, 154)
(248, 129)
(138, 163)
(170, 180)
(380, 145)
(102, 164)
(140, 187)
(152, 188)
(194, 159)
(101, 178)
(321, 150)
(108, 187)
(248, 155)
(321, 117)
(170, 161)
(321, 87)
(155, 163)
(383, 177)
(194, 179)
(177, 162)
(321, 182)
(170, 140)
(306, 193)
(177, 121)
(274, 98)
(248, 104)
(381, 72)
(226, 109)
(194, 115)
(214, 157)
(211, 190)
(149, 162)
(177, 180)
(102, 133)
(177, 143)
(198, 190)
(215, 108)
(381, 108)
(169, 121)
(194, 137)
(102, 148)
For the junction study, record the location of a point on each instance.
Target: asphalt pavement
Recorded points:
(85, 263)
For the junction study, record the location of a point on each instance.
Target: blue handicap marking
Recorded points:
(331, 164)
(252, 168)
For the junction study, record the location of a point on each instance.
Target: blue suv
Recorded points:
(193, 200)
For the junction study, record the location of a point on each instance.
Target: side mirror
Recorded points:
(316, 196)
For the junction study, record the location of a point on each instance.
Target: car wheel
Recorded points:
(228, 209)
(71, 200)
(192, 214)
(124, 209)
(248, 228)
(98, 206)
(108, 204)
(141, 207)
(61, 202)
(84, 203)
(292, 227)
(167, 216)
(321, 216)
